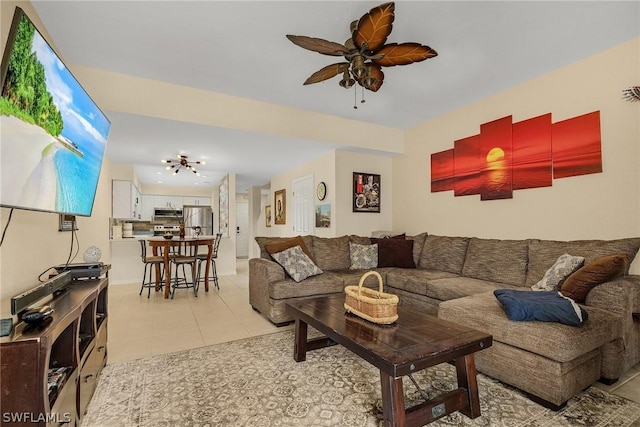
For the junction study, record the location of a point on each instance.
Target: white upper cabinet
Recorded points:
(196, 201)
(125, 200)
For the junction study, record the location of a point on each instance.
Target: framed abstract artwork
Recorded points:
(366, 192)
(267, 215)
(280, 202)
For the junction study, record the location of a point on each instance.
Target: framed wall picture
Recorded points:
(323, 216)
(267, 215)
(366, 192)
(280, 202)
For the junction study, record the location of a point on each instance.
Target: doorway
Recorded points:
(242, 228)
(303, 209)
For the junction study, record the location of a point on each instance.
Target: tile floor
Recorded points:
(142, 327)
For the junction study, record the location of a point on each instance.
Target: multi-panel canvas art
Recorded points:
(508, 156)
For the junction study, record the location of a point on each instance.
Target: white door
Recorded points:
(303, 212)
(242, 227)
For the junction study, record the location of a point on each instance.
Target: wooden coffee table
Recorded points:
(414, 342)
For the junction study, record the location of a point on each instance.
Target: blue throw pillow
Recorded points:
(544, 306)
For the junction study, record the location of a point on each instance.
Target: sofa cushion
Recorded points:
(363, 256)
(555, 341)
(264, 241)
(458, 287)
(558, 272)
(352, 277)
(296, 263)
(397, 276)
(418, 244)
(281, 245)
(326, 283)
(360, 240)
(502, 261)
(395, 252)
(332, 253)
(578, 285)
(543, 253)
(444, 253)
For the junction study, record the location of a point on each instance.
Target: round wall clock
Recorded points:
(321, 191)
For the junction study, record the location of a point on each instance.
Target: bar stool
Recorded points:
(190, 258)
(203, 258)
(151, 262)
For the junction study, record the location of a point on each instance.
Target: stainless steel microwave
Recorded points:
(162, 213)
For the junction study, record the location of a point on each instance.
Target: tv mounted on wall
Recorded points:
(53, 135)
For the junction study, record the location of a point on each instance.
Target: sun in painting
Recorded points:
(495, 154)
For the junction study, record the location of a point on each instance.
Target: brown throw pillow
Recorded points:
(274, 248)
(600, 270)
(395, 252)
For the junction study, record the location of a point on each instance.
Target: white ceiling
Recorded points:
(239, 48)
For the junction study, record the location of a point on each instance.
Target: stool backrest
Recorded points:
(216, 245)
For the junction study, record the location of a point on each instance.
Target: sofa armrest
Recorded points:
(262, 272)
(621, 295)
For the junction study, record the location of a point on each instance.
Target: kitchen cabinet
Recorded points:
(167, 201)
(196, 201)
(148, 204)
(125, 200)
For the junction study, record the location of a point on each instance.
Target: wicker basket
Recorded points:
(374, 306)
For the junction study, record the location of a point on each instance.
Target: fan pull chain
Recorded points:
(362, 96)
(355, 97)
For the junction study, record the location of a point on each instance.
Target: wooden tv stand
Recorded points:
(74, 339)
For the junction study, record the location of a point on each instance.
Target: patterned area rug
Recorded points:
(256, 382)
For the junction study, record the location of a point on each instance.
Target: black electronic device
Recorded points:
(83, 270)
(21, 302)
(6, 326)
(36, 316)
(46, 118)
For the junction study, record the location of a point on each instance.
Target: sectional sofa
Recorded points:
(454, 278)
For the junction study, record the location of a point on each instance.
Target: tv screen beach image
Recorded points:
(53, 135)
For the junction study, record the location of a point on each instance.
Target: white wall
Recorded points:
(361, 223)
(323, 169)
(335, 169)
(600, 206)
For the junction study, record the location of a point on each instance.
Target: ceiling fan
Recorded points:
(366, 52)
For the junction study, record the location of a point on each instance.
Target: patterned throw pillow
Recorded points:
(296, 263)
(363, 256)
(559, 271)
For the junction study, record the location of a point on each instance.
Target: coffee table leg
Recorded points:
(466, 369)
(393, 411)
(300, 343)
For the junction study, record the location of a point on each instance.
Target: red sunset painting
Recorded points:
(508, 156)
(577, 146)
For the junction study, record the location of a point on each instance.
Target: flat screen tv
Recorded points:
(53, 136)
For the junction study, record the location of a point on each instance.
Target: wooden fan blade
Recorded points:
(403, 54)
(322, 46)
(374, 27)
(327, 72)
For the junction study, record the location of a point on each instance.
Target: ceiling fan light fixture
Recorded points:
(182, 162)
(346, 81)
(358, 69)
(369, 80)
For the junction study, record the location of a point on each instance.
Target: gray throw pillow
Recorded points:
(363, 256)
(296, 263)
(558, 272)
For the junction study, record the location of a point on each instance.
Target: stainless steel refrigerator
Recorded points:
(198, 216)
